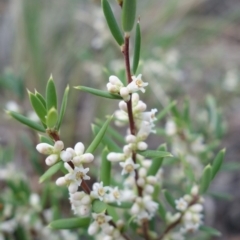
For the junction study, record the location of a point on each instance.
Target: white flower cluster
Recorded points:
(116, 86)
(143, 207)
(190, 212)
(77, 173)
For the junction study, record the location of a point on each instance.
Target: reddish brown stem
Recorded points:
(132, 124)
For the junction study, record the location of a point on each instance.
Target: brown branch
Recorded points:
(132, 124)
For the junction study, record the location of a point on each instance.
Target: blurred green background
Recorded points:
(189, 48)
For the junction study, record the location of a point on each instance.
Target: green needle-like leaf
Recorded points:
(26, 121)
(51, 171)
(154, 154)
(106, 141)
(112, 23)
(51, 94)
(128, 14)
(70, 223)
(162, 211)
(41, 98)
(206, 179)
(166, 110)
(98, 92)
(63, 107)
(99, 136)
(105, 169)
(157, 162)
(169, 198)
(38, 107)
(217, 163)
(210, 231)
(137, 48)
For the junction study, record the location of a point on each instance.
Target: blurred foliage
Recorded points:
(187, 51)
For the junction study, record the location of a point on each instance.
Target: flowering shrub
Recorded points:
(133, 195)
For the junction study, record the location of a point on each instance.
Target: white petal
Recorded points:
(79, 148)
(73, 187)
(61, 181)
(58, 146)
(44, 148)
(66, 156)
(87, 158)
(115, 80)
(93, 228)
(50, 160)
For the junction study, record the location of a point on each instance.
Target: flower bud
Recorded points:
(50, 160)
(44, 148)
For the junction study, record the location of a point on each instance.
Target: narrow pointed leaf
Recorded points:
(210, 231)
(137, 48)
(41, 98)
(51, 171)
(154, 154)
(63, 107)
(106, 141)
(217, 163)
(98, 92)
(162, 211)
(186, 114)
(112, 23)
(38, 107)
(26, 121)
(166, 110)
(99, 136)
(206, 179)
(169, 198)
(51, 94)
(157, 162)
(70, 223)
(128, 14)
(99, 206)
(111, 131)
(52, 117)
(105, 169)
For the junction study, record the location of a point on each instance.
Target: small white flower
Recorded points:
(114, 195)
(150, 116)
(181, 204)
(100, 220)
(99, 191)
(137, 84)
(74, 178)
(128, 166)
